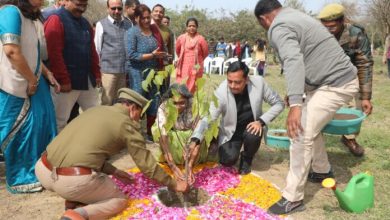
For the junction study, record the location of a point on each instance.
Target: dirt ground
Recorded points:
(270, 164)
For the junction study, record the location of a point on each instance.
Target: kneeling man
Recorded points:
(75, 165)
(240, 100)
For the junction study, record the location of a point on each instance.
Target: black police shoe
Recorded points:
(318, 177)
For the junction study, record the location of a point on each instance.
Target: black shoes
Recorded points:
(318, 177)
(244, 170)
(283, 206)
(245, 165)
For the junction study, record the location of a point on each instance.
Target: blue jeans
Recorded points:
(135, 80)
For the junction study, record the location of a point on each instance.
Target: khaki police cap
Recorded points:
(133, 96)
(331, 12)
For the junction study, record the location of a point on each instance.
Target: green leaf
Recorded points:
(146, 107)
(215, 127)
(172, 72)
(208, 136)
(163, 74)
(172, 115)
(158, 80)
(156, 133)
(195, 108)
(170, 68)
(212, 131)
(151, 74)
(214, 99)
(204, 109)
(200, 82)
(145, 86)
(147, 82)
(175, 94)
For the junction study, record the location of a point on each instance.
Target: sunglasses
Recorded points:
(116, 8)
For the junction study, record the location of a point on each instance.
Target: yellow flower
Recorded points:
(194, 215)
(134, 170)
(196, 169)
(133, 208)
(251, 189)
(254, 190)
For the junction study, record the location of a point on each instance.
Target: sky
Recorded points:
(230, 5)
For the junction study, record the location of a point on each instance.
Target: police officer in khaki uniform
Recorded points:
(353, 39)
(75, 165)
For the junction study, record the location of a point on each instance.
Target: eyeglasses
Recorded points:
(116, 8)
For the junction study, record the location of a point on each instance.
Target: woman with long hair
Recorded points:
(27, 119)
(145, 50)
(172, 143)
(192, 49)
(260, 51)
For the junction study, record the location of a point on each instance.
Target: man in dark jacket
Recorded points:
(355, 43)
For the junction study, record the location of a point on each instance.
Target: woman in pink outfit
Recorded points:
(192, 49)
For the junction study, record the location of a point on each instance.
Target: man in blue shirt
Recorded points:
(221, 48)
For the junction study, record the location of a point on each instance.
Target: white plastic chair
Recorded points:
(253, 67)
(206, 64)
(247, 61)
(227, 63)
(217, 65)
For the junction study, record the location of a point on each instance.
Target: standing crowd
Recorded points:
(53, 60)
(234, 51)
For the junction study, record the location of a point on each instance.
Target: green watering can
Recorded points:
(357, 196)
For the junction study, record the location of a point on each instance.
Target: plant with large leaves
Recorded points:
(200, 110)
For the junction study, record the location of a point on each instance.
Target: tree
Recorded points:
(378, 16)
(241, 25)
(380, 12)
(245, 26)
(351, 9)
(296, 4)
(96, 11)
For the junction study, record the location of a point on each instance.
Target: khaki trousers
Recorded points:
(64, 102)
(319, 108)
(97, 190)
(111, 84)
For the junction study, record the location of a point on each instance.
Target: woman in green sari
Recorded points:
(183, 132)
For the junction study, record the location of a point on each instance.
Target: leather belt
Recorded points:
(65, 171)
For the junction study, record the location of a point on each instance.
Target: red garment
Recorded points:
(54, 33)
(160, 43)
(191, 52)
(237, 50)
